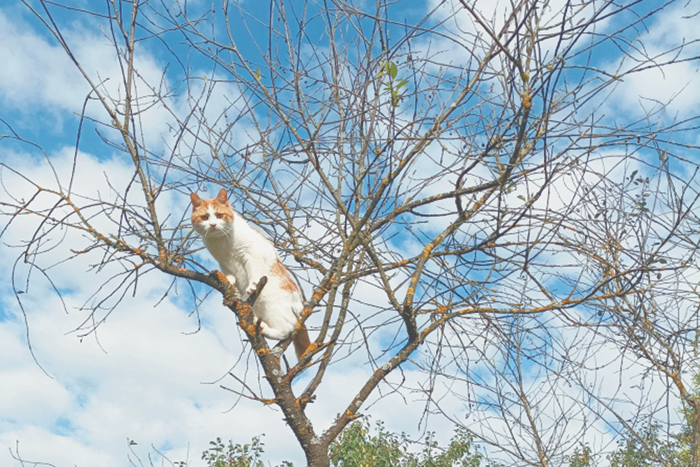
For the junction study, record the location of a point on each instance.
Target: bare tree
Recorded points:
(463, 168)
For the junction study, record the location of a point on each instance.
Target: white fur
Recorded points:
(245, 256)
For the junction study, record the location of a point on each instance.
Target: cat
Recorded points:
(244, 256)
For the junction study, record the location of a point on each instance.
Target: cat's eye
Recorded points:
(219, 215)
(205, 217)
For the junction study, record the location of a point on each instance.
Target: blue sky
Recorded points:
(152, 374)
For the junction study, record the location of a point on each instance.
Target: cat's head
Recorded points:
(213, 216)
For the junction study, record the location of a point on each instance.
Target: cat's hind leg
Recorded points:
(273, 333)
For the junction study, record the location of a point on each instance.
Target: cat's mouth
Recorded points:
(215, 230)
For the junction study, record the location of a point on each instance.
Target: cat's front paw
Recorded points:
(251, 290)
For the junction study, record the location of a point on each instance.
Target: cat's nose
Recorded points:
(213, 225)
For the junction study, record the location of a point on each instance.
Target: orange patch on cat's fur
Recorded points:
(286, 282)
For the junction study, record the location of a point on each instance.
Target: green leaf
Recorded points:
(392, 69)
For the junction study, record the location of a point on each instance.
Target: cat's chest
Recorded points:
(232, 258)
(229, 255)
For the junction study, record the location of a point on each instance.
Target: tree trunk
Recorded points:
(695, 440)
(317, 455)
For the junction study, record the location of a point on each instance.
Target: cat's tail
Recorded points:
(301, 341)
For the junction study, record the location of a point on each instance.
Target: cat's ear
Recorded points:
(222, 197)
(196, 200)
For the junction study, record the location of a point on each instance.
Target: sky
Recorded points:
(150, 380)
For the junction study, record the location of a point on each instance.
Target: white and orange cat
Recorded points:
(244, 256)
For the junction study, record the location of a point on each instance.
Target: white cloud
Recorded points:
(24, 54)
(673, 37)
(24, 88)
(27, 396)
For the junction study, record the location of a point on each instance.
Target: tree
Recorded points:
(357, 447)
(581, 457)
(463, 168)
(222, 455)
(649, 446)
(647, 451)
